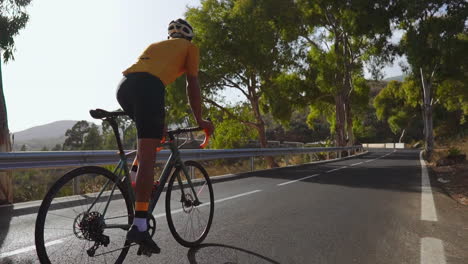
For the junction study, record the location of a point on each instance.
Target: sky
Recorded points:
(70, 56)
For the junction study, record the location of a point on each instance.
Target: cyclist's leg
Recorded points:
(147, 108)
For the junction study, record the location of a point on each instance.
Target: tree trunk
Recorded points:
(264, 144)
(340, 117)
(402, 135)
(6, 181)
(349, 123)
(261, 126)
(427, 115)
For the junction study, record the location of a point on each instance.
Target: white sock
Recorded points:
(140, 223)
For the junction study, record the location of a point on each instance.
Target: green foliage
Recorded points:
(243, 46)
(177, 107)
(453, 151)
(75, 136)
(13, 18)
(127, 131)
(453, 95)
(393, 106)
(232, 134)
(92, 140)
(23, 147)
(57, 147)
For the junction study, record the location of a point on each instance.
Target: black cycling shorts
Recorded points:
(141, 96)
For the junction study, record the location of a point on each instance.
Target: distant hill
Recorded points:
(376, 87)
(395, 78)
(48, 135)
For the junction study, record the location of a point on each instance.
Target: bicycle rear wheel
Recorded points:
(188, 220)
(71, 226)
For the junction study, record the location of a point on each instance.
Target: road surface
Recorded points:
(375, 208)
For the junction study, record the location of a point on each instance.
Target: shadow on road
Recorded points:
(399, 171)
(218, 253)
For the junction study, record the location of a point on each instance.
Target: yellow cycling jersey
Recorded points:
(168, 59)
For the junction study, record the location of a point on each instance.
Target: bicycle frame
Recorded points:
(122, 173)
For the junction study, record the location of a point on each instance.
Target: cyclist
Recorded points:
(141, 96)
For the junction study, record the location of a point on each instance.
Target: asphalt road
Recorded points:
(368, 209)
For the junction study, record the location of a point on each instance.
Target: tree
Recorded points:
(13, 18)
(23, 147)
(57, 147)
(127, 131)
(44, 148)
(75, 136)
(435, 44)
(339, 32)
(393, 105)
(242, 49)
(92, 140)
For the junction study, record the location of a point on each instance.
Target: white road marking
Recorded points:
(307, 177)
(216, 201)
(428, 211)
(27, 249)
(356, 164)
(333, 170)
(59, 241)
(432, 251)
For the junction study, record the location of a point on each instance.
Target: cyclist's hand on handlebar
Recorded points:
(206, 125)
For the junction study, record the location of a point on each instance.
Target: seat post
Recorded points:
(115, 128)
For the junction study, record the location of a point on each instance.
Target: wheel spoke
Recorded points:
(191, 226)
(67, 216)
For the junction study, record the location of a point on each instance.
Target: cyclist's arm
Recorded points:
(194, 96)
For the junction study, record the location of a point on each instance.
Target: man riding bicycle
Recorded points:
(141, 95)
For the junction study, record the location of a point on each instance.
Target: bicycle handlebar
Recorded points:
(205, 142)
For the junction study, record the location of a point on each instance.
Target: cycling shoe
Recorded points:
(147, 245)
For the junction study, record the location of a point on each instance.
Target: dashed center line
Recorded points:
(333, 170)
(307, 177)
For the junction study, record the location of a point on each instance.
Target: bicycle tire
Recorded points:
(48, 209)
(204, 181)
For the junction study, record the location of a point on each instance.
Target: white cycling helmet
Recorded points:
(180, 29)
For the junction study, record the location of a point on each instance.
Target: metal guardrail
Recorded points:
(54, 159)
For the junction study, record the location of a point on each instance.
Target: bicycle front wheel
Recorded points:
(79, 221)
(190, 220)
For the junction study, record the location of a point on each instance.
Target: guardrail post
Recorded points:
(328, 155)
(349, 152)
(252, 163)
(339, 154)
(76, 186)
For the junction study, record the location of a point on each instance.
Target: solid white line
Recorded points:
(216, 201)
(356, 164)
(27, 249)
(307, 177)
(432, 251)
(428, 211)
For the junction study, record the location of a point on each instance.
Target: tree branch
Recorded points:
(235, 85)
(310, 41)
(229, 113)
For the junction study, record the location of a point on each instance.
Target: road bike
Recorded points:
(86, 213)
